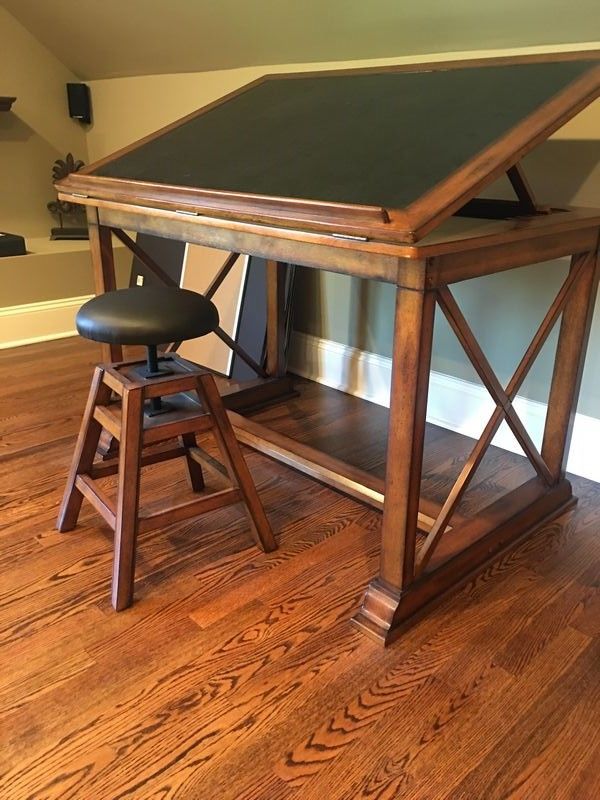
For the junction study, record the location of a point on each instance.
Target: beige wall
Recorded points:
(140, 37)
(33, 135)
(55, 271)
(126, 109)
(36, 132)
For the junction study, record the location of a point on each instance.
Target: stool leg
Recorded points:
(130, 451)
(85, 449)
(188, 440)
(236, 464)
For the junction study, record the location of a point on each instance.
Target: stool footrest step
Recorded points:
(156, 429)
(178, 427)
(109, 420)
(190, 508)
(105, 468)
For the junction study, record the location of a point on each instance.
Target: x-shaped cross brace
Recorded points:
(503, 397)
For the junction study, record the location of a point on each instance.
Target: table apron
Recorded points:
(334, 257)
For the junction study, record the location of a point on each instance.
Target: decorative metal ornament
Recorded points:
(65, 209)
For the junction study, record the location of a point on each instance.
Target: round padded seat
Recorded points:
(148, 315)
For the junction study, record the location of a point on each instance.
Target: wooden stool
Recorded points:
(138, 417)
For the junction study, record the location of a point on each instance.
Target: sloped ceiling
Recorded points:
(113, 38)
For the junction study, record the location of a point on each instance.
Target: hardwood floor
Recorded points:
(236, 674)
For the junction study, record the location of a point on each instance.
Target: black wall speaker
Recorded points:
(79, 102)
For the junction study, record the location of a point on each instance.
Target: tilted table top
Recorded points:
(389, 154)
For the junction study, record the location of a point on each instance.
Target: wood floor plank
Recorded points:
(477, 714)
(587, 620)
(541, 629)
(153, 737)
(363, 710)
(266, 583)
(248, 639)
(537, 729)
(585, 780)
(236, 674)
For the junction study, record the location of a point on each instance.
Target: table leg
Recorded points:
(103, 265)
(568, 365)
(276, 273)
(413, 332)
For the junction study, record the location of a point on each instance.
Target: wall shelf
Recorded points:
(6, 103)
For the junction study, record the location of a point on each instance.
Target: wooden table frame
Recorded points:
(411, 580)
(422, 253)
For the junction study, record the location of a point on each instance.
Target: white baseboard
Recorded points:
(39, 322)
(453, 403)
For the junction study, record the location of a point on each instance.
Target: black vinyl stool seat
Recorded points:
(125, 400)
(148, 315)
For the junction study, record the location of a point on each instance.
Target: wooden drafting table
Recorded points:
(379, 174)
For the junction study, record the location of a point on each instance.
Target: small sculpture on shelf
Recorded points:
(73, 213)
